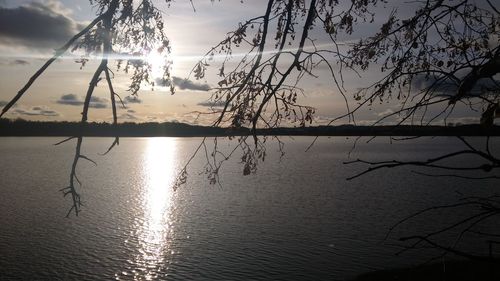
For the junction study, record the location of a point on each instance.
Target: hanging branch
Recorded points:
(107, 21)
(262, 88)
(133, 29)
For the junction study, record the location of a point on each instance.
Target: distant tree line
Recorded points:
(20, 127)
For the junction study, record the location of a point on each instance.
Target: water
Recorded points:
(296, 219)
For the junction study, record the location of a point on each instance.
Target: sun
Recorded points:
(158, 62)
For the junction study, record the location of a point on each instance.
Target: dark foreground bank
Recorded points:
(450, 270)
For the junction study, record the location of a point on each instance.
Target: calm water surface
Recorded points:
(296, 219)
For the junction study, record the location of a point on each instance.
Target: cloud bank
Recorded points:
(36, 111)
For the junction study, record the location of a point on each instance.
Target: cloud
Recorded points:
(212, 103)
(131, 111)
(385, 112)
(19, 62)
(97, 102)
(184, 84)
(128, 116)
(131, 99)
(37, 24)
(323, 119)
(74, 100)
(463, 120)
(36, 111)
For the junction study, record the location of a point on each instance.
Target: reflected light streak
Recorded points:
(154, 228)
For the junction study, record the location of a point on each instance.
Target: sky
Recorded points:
(31, 29)
(38, 27)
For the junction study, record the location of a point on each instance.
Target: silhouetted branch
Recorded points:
(113, 107)
(65, 140)
(456, 176)
(490, 164)
(447, 249)
(88, 159)
(493, 7)
(479, 209)
(71, 190)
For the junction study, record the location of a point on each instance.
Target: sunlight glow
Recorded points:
(157, 59)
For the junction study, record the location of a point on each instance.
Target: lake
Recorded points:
(297, 218)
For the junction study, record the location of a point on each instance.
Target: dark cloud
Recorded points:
(72, 99)
(212, 103)
(184, 84)
(132, 99)
(449, 87)
(36, 111)
(162, 82)
(36, 24)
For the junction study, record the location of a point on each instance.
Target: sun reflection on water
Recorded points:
(153, 228)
